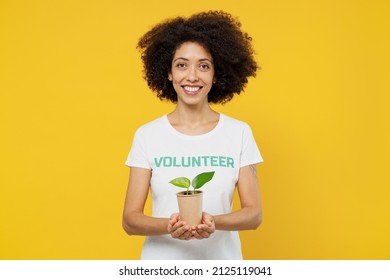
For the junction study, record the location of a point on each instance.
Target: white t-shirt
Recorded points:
(158, 146)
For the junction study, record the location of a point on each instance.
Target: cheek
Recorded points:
(178, 77)
(208, 79)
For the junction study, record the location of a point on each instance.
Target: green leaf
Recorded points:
(202, 179)
(181, 182)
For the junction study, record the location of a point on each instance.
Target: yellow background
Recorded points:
(72, 95)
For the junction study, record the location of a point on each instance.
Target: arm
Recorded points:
(248, 217)
(135, 222)
(250, 214)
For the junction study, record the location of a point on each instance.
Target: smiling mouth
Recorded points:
(192, 90)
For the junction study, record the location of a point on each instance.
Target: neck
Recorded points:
(191, 115)
(195, 121)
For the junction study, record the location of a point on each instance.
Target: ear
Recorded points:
(170, 76)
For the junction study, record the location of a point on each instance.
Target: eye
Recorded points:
(180, 65)
(204, 66)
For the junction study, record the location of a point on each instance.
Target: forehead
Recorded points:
(193, 50)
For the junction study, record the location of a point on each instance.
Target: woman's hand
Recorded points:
(178, 228)
(205, 229)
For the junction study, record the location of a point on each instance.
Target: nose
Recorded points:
(192, 75)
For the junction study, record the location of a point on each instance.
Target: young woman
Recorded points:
(193, 62)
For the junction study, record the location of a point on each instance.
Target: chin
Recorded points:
(193, 100)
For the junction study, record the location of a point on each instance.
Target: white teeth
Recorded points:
(191, 88)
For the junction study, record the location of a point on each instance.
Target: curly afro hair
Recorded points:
(219, 33)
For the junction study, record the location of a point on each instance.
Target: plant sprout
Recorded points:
(196, 183)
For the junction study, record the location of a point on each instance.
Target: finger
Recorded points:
(204, 234)
(205, 231)
(205, 228)
(170, 227)
(178, 225)
(208, 221)
(196, 235)
(185, 236)
(174, 218)
(180, 232)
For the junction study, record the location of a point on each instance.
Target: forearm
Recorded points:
(136, 223)
(247, 218)
(250, 215)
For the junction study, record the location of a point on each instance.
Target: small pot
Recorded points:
(190, 206)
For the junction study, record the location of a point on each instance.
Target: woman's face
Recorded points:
(192, 73)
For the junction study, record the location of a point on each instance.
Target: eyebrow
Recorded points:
(186, 59)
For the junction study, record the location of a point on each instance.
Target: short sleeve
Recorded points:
(250, 153)
(138, 156)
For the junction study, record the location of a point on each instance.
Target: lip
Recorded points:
(191, 89)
